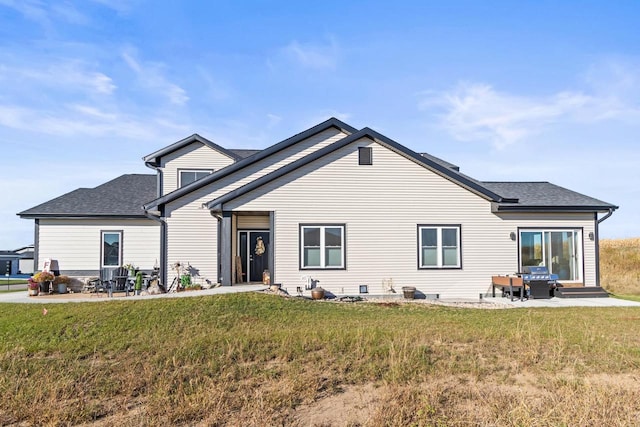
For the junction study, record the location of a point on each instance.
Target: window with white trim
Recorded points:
(322, 247)
(439, 246)
(189, 176)
(111, 248)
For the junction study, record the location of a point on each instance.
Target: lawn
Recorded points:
(256, 359)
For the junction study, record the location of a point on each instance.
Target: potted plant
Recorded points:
(317, 293)
(137, 286)
(185, 281)
(44, 278)
(61, 282)
(131, 269)
(33, 287)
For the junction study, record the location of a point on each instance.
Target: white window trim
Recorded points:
(439, 247)
(180, 171)
(323, 265)
(102, 233)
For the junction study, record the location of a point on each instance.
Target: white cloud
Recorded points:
(310, 55)
(82, 120)
(120, 6)
(477, 111)
(45, 14)
(33, 10)
(70, 74)
(150, 76)
(274, 119)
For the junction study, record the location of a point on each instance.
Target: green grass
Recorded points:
(258, 359)
(629, 297)
(12, 281)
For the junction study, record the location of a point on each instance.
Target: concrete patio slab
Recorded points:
(563, 302)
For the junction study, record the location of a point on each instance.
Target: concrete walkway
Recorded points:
(497, 302)
(23, 298)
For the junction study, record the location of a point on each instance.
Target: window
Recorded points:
(365, 156)
(558, 250)
(439, 246)
(111, 248)
(189, 176)
(322, 246)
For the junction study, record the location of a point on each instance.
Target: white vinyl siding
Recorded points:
(322, 246)
(76, 244)
(380, 206)
(192, 230)
(439, 246)
(195, 156)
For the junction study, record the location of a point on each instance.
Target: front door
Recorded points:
(253, 250)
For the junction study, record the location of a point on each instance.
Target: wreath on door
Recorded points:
(259, 246)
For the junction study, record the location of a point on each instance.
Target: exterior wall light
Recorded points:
(512, 235)
(592, 236)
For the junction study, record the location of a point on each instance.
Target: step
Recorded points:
(582, 292)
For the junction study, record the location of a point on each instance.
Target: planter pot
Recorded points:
(44, 287)
(317, 293)
(409, 292)
(62, 288)
(33, 292)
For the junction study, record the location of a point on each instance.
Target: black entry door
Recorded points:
(254, 253)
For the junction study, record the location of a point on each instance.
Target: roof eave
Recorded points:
(496, 207)
(80, 216)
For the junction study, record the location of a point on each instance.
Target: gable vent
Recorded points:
(365, 156)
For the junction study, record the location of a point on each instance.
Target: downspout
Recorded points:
(218, 216)
(163, 246)
(597, 241)
(163, 224)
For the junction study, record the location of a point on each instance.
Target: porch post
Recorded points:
(271, 254)
(225, 248)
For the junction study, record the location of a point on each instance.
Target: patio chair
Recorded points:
(120, 279)
(103, 284)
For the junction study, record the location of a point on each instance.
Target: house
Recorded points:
(346, 209)
(25, 265)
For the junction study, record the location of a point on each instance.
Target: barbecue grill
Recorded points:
(541, 283)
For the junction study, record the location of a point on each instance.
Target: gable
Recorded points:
(265, 160)
(425, 162)
(227, 180)
(154, 159)
(195, 156)
(337, 181)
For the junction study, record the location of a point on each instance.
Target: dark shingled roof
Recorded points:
(9, 254)
(244, 152)
(441, 162)
(543, 195)
(122, 197)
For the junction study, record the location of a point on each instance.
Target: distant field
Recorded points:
(620, 265)
(255, 359)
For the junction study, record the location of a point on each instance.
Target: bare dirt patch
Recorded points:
(352, 407)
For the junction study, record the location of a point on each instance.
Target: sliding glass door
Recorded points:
(559, 250)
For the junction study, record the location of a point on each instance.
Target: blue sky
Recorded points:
(509, 91)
